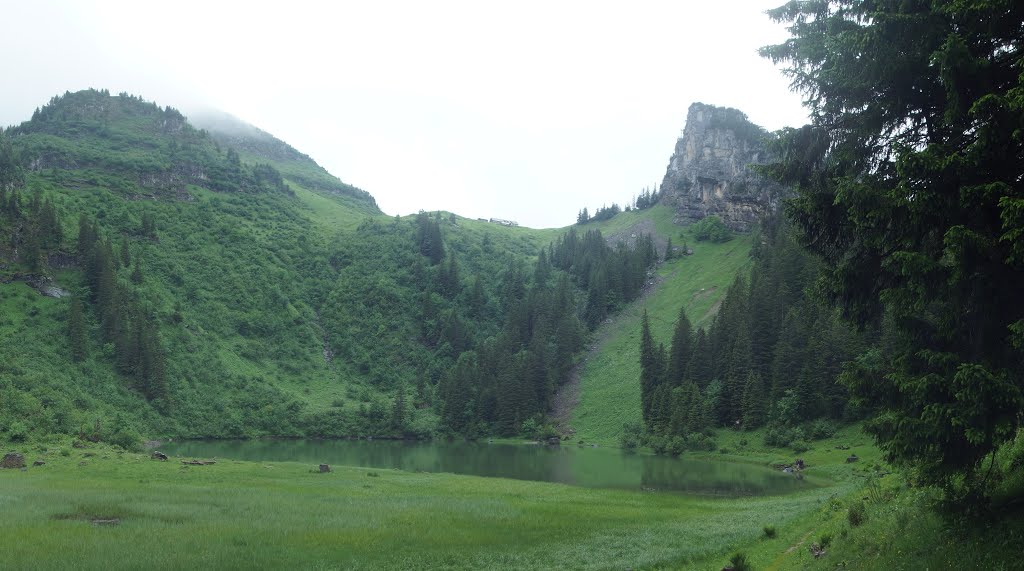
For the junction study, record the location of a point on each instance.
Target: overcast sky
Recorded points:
(520, 110)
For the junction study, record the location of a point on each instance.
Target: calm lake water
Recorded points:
(574, 465)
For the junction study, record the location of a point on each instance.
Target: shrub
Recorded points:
(529, 428)
(631, 434)
(546, 432)
(825, 540)
(739, 562)
(676, 445)
(700, 442)
(821, 428)
(712, 228)
(17, 431)
(126, 438)
(800, 446)
(857, 513)
(658, 444)
(781, 436)
(769, 532)
(777, 437)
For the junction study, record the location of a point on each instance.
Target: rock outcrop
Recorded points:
(13, 460)
(710, 171)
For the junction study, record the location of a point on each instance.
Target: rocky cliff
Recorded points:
(710, 171)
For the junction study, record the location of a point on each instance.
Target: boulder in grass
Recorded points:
(324, 468)
(158, 455)
(12, 460)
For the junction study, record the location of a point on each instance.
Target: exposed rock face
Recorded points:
(710, 172)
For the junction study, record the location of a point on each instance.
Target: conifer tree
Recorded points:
(76, 331)
(651, 369)
(477, 299)
(915, 207)
(86, 236)
(136, 276)
(126, 255)
(398, 412)
(682, 350)
(754, 401)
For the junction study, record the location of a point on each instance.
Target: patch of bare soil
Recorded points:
(631, 234)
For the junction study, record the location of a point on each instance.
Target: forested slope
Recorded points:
(209, 286)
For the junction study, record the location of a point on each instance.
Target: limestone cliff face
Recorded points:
(710, 172)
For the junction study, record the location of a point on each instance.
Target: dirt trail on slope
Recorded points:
(567, 398)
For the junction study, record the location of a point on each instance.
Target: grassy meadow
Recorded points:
(273, 515)
(99, 507)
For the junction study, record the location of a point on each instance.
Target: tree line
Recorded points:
(771, 356)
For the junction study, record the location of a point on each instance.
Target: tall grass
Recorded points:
(273, 515)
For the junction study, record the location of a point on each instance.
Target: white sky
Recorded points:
(520, 110)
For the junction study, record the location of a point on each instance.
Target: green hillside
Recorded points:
(247, 270)
(219, 284)
(609, 378)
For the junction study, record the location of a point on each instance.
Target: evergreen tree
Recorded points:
(449, 278)
(49, 227)
(126, 255)
(136, 276)
(86, 236)
(682, 350)
(398, 412)
(429, 238)
(477, 298)
(700, 369)
(77, 340)
(754, 401)
(458, 410)
(914, 206)
(583, 217)
(651, 370)
(149, 226)
(106, 290)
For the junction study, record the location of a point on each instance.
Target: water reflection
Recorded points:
(579, 466)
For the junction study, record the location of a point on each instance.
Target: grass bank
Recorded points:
(103, 508)
(274, 515)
